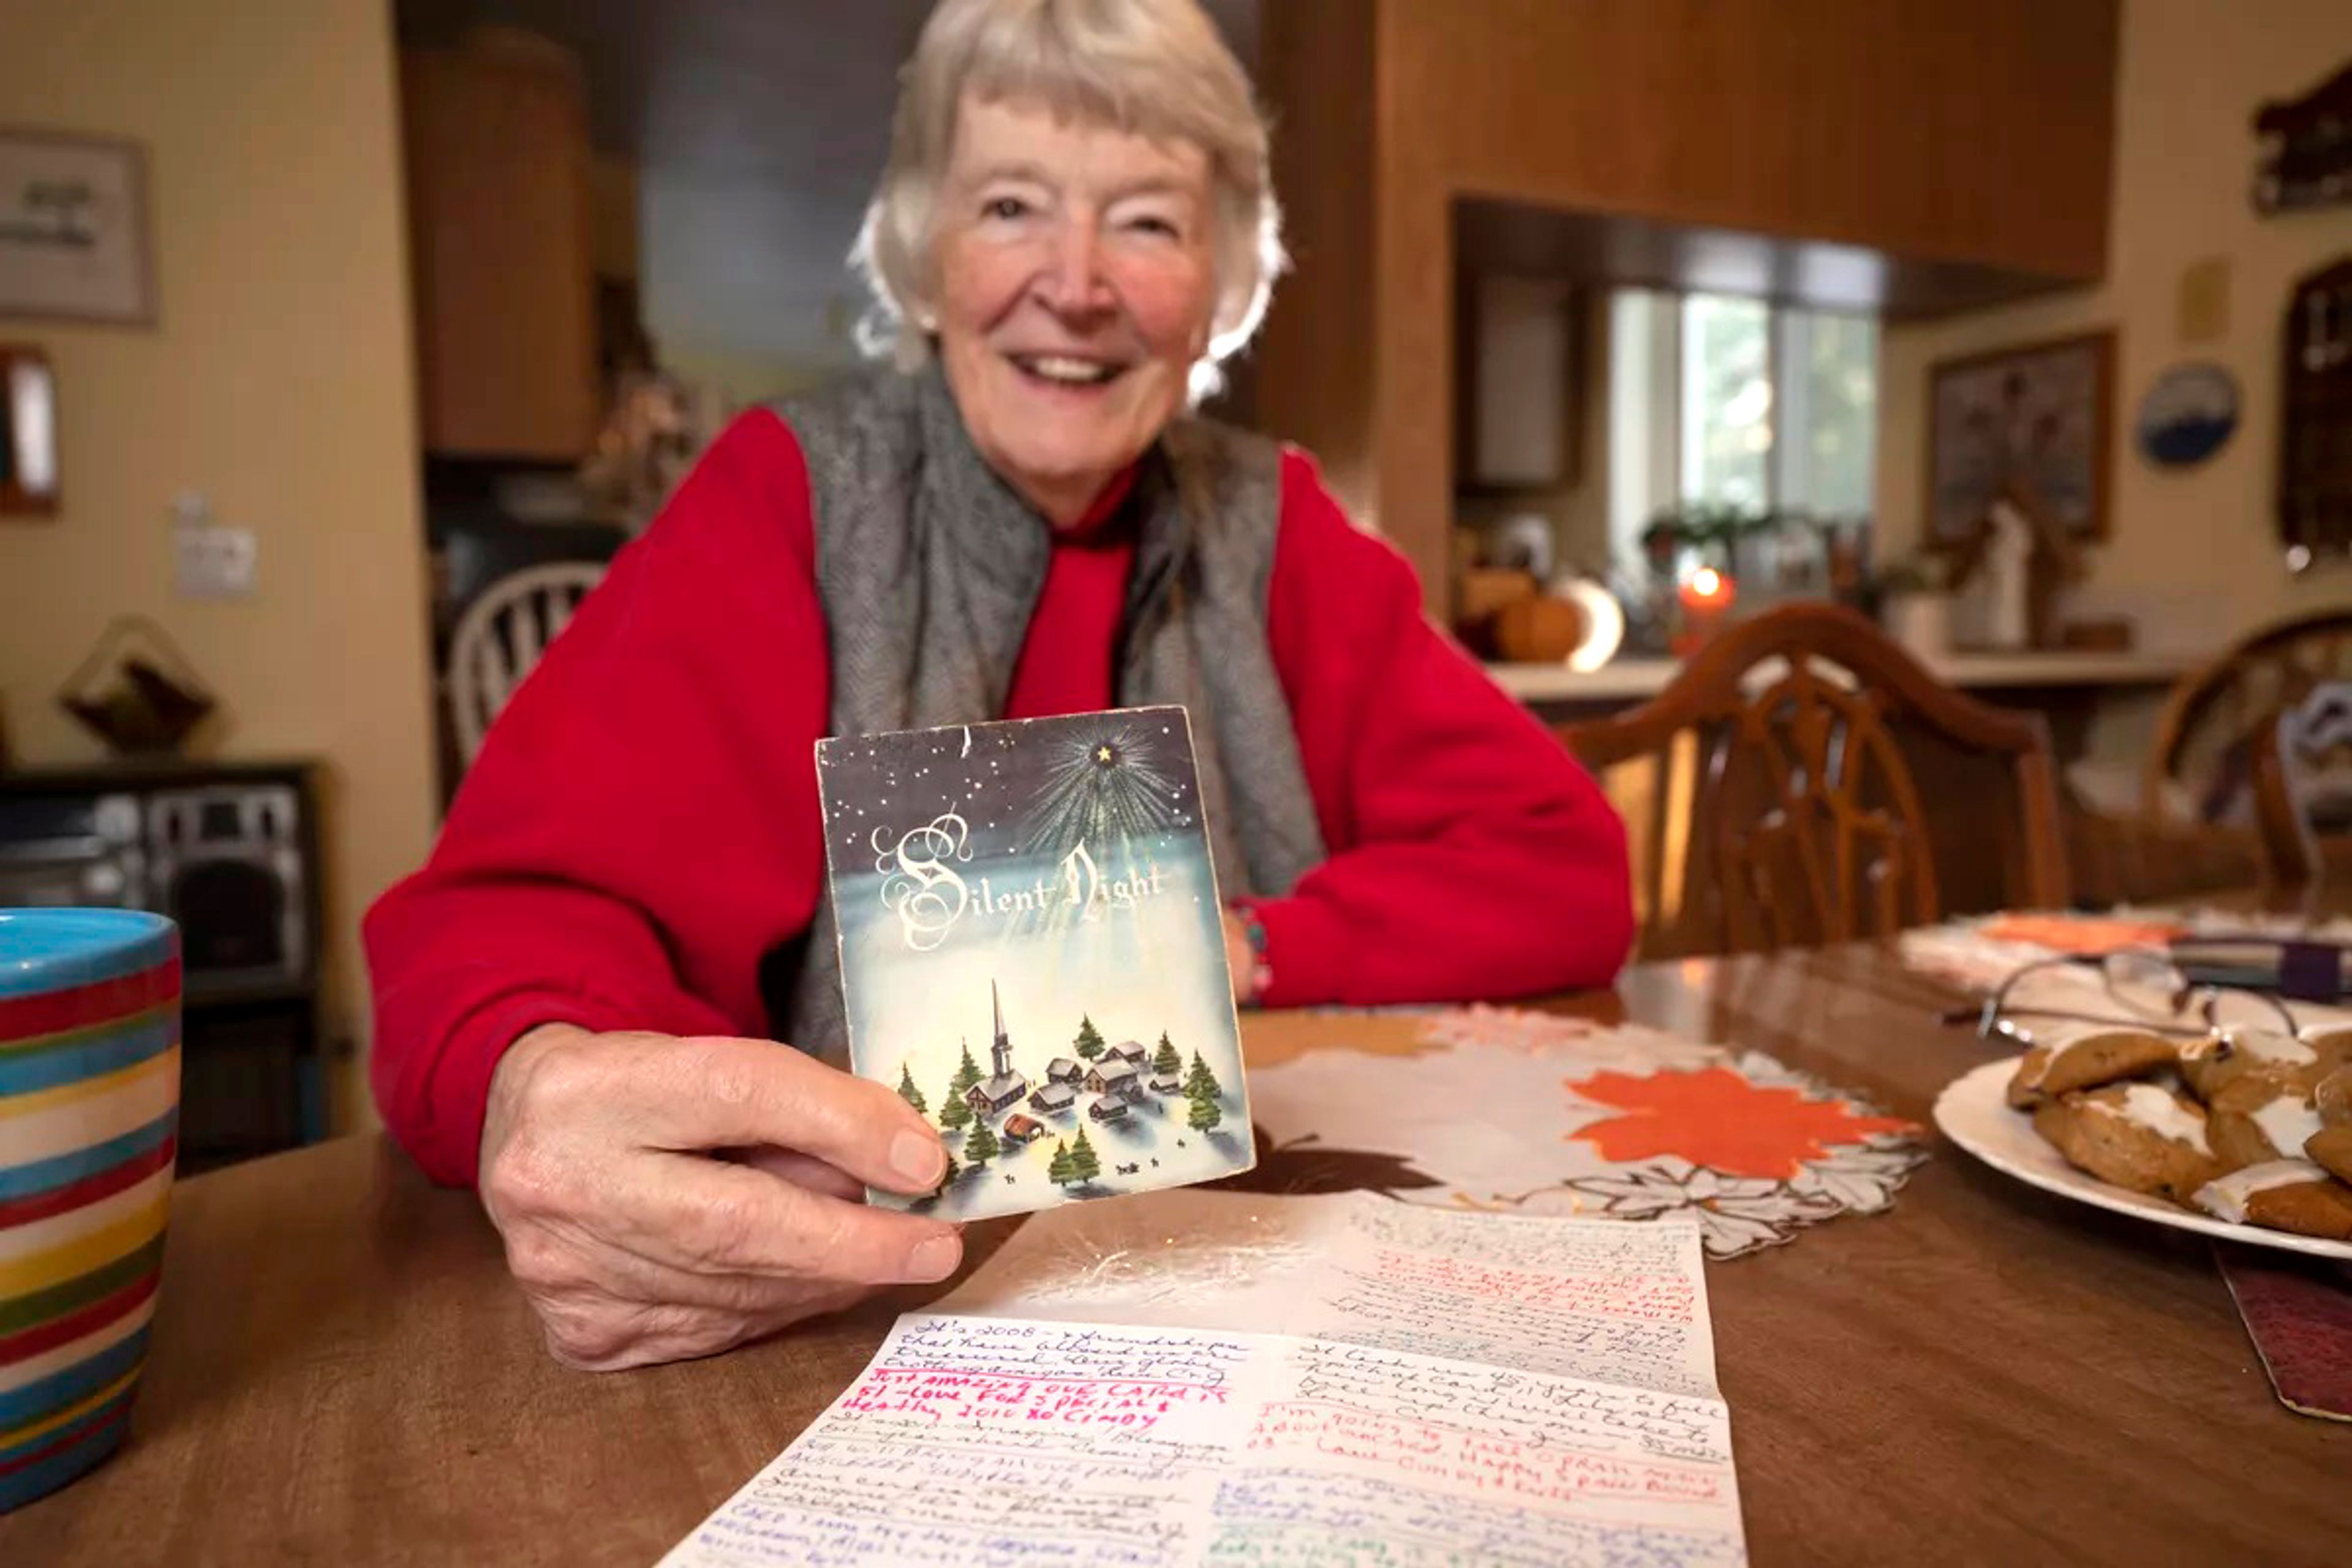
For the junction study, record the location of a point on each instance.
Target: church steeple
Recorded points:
(1001, 1053)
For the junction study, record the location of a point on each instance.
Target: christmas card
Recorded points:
(1032, 954)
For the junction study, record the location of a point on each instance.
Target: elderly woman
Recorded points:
(578, 997)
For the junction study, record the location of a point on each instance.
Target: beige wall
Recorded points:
(2192, 551)
(277, 382)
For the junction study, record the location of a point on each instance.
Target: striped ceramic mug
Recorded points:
(90, 1102)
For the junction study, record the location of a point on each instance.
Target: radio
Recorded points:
(229, 851)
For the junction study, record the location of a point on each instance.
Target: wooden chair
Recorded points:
(2291, 753)
(2205, 737)
(1783, 800)
(502, 635)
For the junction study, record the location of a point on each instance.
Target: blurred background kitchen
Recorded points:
(343, 344)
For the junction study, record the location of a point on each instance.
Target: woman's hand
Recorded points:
(1241, 959)
(664, 1197)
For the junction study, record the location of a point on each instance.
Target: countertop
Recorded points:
(1634, 678)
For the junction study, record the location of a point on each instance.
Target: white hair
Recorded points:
(1154, 68)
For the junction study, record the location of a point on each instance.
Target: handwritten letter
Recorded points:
(976, 1441)
(1595, 1298)
(1368, 1455)
(998, 1441)
(1194, 1377)
(1598, 1298)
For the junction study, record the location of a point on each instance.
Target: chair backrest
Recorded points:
(502, 635)
(1784, 808)
(2299, 761)
(2206, 735)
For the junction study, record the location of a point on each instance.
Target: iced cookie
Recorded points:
(2284, 1194)
(2332, 1098)
(2332, 1041)
(2063, 1057)
(2134, 1135)
(2266, 1129)
(2216, 1065)
(2331, 1148)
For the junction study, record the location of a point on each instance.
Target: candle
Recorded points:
(1707, 588)
(1707, 596)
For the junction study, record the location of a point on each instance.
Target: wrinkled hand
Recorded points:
(664, 1197)
(1239, 960)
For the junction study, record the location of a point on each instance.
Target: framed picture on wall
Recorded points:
(2040, 416)
(74, 242)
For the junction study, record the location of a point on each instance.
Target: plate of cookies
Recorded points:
(2245, 1134)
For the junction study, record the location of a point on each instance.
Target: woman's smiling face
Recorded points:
(1075, 291)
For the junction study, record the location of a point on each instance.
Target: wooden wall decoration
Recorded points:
(2314, 484)
(2307, 148)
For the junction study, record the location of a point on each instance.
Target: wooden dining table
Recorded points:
(342, 1373)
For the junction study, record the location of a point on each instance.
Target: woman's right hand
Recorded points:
(662, 1197)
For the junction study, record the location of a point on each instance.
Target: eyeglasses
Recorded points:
(2146, 988)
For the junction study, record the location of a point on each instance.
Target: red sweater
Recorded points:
(643, 825)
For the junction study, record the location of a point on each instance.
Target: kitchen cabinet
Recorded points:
(1911, 160)
(500, 239)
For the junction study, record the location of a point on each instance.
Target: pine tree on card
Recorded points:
(1084, 1164)
(1201, 1080)
(966, 1075)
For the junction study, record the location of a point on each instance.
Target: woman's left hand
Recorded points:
(1239, 959)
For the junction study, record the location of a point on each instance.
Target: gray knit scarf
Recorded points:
(930, 566)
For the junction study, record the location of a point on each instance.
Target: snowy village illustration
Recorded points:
(1032, 954)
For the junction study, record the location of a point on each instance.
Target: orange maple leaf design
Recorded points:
(1715, 1118)
(2091, 934)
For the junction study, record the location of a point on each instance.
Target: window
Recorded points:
(1829, 398)
(1725, 400)
(1715, 398)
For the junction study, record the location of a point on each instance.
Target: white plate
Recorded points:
(1974, 1112)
